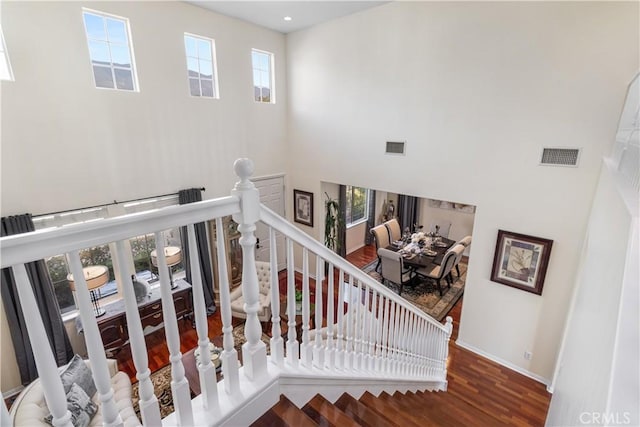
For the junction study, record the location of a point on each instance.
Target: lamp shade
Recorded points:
(173, 255)
(95, 276)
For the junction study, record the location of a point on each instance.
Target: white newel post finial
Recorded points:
(254, 352)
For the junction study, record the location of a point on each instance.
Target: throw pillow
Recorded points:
(79, 373)
(80, 405)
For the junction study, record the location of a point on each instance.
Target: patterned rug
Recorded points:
(425, 294)
(161, 379)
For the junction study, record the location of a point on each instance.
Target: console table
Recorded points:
(113, 324)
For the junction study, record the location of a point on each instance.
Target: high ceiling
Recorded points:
(270, 14)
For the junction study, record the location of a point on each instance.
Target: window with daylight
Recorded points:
(110, 51)
(201, 66)
(357, 209)
(262, 76)
(5, 65)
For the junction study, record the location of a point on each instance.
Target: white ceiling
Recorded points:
(271, 14)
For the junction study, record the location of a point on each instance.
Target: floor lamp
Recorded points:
(173, 255)
(96, 276)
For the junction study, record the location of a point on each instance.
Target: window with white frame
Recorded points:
(201, 66)
(110, 50)
(357, 209)
(263, 84)
(5, 65)
(141, 247)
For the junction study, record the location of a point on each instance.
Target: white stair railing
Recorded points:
(361, 330)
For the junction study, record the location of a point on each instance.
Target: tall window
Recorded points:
(262, 76)
(110, 51)
(357, 209)
(5, 65)
(201, 66)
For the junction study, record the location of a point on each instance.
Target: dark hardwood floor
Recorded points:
(495, 390)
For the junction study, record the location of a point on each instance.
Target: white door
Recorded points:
(272, 196)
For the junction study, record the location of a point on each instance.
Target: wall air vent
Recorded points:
(560, 157)
(395, 147)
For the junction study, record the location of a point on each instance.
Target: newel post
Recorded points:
(254, 352)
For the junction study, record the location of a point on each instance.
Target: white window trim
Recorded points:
(6, 60)
(134, 71)
(214, 66)
(272, 76)
(366, 211)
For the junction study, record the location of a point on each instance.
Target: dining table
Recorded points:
(424, 259)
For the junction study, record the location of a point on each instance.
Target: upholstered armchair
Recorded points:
(440, 271)
(393, 268)
(381, 237)
(264, 299)
(465, 241)
(395, 233)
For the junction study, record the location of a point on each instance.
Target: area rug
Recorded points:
(161, 379)
(424, 295)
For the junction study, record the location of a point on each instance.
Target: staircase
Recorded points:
(417, 409)
(365, 340)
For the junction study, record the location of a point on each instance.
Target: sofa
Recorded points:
(30, 408)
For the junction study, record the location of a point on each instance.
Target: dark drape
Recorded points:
(47, 305)
(407, 211)
(189, 196)
(371, 221)
(342, 221)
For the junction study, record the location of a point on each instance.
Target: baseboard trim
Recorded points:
(13, 392)
(506, 364)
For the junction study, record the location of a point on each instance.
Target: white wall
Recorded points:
(584, 374)
(476, 90)
(66, 144)
(461, 222)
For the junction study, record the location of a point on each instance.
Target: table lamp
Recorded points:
(173, 255)
(96, 276)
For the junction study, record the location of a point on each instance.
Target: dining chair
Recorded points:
(458, 249)
(395, 233)
(439, 271)
(393, 269)
(465, 241)
(443, 230)
(381, 237)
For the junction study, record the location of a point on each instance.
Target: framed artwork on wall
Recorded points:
(521, 261)
(303, 207)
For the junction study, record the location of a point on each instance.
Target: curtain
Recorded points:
(371, 220)
(189, 196)
(342, 221)
(407, 211)
(47, 305)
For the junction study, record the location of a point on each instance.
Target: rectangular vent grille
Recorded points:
(560, 156)
(395, 147)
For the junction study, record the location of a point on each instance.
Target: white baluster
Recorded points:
(206, 370)
(305, 346)
(357, 327)
(254, 351)
(349, 362)
(330, 356)
(95, 347)
(411, 345)
(340, 349)
(449, 327)
(276, 342)
(384, 354)
(318, 350)
(5, 418)
(148, 403)
(378, 334)
(372, 330)
(229, 354)
(293, 347)
(179, 384)
(396, 338)
(45, 363)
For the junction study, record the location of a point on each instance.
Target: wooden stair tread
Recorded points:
(457, 409)
(284, 413)
(390, 410)
(361, 413)
(326, 413)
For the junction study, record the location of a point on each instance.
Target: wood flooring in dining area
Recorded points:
(501, 395)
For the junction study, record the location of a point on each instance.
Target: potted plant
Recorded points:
(331, 223)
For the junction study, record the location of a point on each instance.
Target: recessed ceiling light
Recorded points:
(288, 18)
